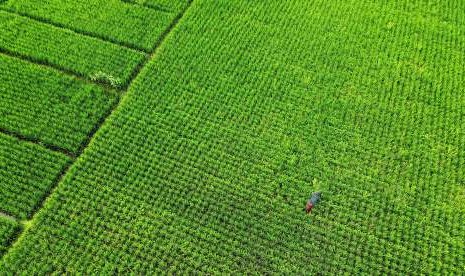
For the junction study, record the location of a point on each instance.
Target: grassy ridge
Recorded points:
(8, 228)
(26, 175)
(114, 20)
(64, 49)
(43, 104)
(247, 109)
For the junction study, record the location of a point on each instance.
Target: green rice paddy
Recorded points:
(185, 137)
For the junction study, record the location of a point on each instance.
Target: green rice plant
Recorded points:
(27, 174)
(206, 165)
(8, 229)
(130, 25)
(45, 105)
(65, 50)
(162, 5)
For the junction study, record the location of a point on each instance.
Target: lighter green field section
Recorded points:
(248, 107)
(66, 50)
(114, 20)
(27, 172)
(43, 104)
(8, 229)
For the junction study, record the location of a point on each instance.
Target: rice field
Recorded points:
(185, 137)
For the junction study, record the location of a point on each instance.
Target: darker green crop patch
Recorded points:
(9, 229)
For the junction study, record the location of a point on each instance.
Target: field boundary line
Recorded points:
(55, 185)
(64, 27)
(98, 125)
(133, 76)
(37, 141)
(51, 189)
(151, 7)
(14, 236)
(60, 69)
(157, 45)
(8, 216)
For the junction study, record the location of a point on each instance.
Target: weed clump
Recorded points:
(107, 79)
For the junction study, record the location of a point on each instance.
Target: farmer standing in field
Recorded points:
(312, 201)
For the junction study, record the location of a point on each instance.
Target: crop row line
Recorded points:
(97, 126)
(93, 35)
(83, 78)
(157, 44)
(18, 231)
(152, 6)
(102, 121)
(52, 188)
(36, 141)
(56, 67)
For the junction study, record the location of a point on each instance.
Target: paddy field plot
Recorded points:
(186, 136)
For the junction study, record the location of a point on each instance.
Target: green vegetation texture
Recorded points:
(44, 104)
(27, 172)
(66, 50)
(163, 5)
(244, 110)
(115, 20)
(8, 228)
